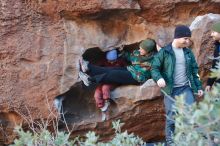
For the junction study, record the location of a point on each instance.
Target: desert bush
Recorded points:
(43, 137)
(199, 124)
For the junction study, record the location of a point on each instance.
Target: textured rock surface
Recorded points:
(134, 105)
(41, 41)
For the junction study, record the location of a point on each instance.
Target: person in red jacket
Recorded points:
(102, 92)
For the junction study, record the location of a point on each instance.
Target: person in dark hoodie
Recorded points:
(135, 74)
(175, 70)
(216, 36)
(102, 91)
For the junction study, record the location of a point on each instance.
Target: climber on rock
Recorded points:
(175, 70)
(135, 74)
(102, 91)
(216, 36)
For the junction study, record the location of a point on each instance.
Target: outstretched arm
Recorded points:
(156, 65)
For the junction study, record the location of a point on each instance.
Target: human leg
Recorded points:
(123, 77)
(98, 96)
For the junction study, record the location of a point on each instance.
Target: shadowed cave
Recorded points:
(78, 103)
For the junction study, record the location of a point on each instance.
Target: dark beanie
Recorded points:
(148, 45)
(182, 31)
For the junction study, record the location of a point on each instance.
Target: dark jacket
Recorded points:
(211, 81)
(163, 66)
(140, 65)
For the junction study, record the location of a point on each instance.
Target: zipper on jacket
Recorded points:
(187, 71)
(173, 66)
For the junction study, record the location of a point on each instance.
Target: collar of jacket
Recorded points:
(146, 58)
(150, 56)
(169, 49)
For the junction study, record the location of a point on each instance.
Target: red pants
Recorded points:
(102, 93)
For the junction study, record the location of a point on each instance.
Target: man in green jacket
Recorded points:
(175, 70)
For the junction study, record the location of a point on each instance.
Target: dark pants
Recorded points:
(111, 75)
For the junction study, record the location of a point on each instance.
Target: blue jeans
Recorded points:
(170, 123)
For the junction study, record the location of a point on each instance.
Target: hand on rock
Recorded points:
(161, 83)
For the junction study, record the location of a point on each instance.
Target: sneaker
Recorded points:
(105, 111)
(85, 78)
(105, 107)
(84, 65)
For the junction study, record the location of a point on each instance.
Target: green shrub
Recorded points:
(199, 124)
(41, 138)
(44, 138)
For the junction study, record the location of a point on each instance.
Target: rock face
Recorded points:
(139, 107)
(41, 41)
(203, 43)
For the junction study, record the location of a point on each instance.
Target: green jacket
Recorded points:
(163, 67)
(140, 65)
